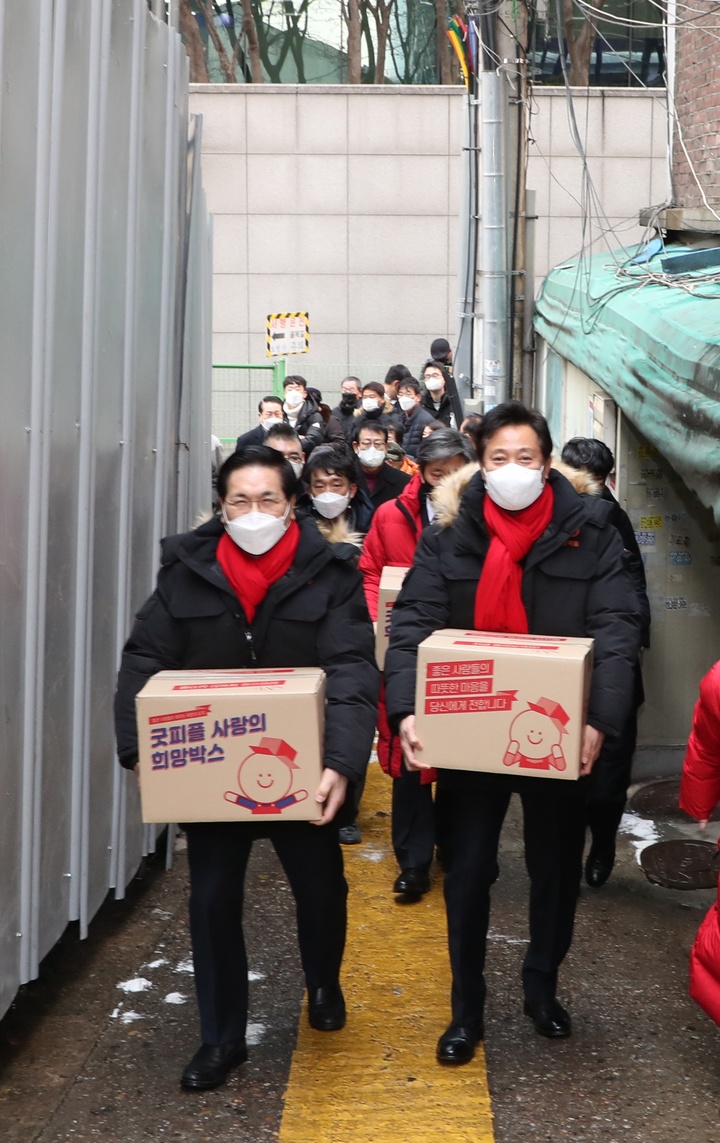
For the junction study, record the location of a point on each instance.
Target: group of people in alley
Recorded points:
(500, 536)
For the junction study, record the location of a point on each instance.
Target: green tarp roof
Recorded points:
(653, 347)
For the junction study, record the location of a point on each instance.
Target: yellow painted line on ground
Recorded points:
(378, 1079)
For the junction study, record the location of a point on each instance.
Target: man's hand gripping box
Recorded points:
(391, 581)
(238, 746)
(507, 704)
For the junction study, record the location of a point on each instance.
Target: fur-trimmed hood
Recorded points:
(582, 480)
(337, 531)
(448, 494)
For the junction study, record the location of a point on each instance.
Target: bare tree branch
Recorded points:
(351, 15)
(193, 44)
(228, 67)
(580, 46)
(249, 30)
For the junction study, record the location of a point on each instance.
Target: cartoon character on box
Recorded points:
(536, 737)
(265, 778)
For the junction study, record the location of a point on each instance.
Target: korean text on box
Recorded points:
(505, 704)
(231, 745)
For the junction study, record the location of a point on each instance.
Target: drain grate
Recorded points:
(659, 800)
(680, 864)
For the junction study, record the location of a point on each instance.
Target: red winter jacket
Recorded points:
(395, 530)
(705, 964)
(699, 794)
(391, 541)
(700, 786)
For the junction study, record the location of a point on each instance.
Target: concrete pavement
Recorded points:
(93, 1050)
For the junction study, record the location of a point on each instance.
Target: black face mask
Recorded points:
(348, 400)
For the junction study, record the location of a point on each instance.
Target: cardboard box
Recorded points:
(391, 581)
(231, 745)
(506, 704)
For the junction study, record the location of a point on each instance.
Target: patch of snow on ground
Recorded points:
(139, 984)
(641, 831)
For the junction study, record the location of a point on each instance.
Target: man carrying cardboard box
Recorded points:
(515, 549)
(260, 588)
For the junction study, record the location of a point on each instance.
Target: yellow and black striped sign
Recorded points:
(288, 333)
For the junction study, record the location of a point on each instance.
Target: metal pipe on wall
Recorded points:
(463, 358)
(494, 231)
(528, 346)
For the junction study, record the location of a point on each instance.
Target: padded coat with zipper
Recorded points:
(314, 616)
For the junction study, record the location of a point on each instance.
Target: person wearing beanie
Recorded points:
(440, 351)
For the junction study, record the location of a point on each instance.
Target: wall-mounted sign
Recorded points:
(288, 333)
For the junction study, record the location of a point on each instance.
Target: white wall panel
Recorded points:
(364, 183)
(97, 316)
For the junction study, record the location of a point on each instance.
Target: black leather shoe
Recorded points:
(457, 1044)
(350, 834)
(212, 1064)
(549, 1017)
(413, 882)
(326, 1008)
(599, 866)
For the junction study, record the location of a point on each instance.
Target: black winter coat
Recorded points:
(444, 413)
(310, 426)
(315, 616)
(633, 559)
(346, 418)
(254, 436)
(413, 426)
(389, 484)
(575, 584)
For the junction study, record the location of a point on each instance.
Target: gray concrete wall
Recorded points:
(344, 201)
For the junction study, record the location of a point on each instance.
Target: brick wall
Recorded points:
(697, 100)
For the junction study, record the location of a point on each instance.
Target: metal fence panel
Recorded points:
(24, 53)
(96, 870)
(63, 365)
(237, 389)
(97, 324)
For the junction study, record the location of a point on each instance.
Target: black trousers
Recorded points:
(470, 824)
(607, 786)
(413, 821)
(218, 854)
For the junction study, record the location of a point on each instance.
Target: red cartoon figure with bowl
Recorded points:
(265, 778)
(536, 737)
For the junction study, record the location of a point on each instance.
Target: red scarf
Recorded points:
(251, 577)
(498, 599)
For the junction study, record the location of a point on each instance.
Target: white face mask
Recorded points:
(256, 532)
(331, 504)
(513, 486)
(371, 457)
(270, 422)
(406, 403)
(297, 466)
(293, 398)
(370, 404)
(433, 384)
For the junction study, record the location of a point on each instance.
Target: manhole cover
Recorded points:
(660, 800)
(681, 864)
